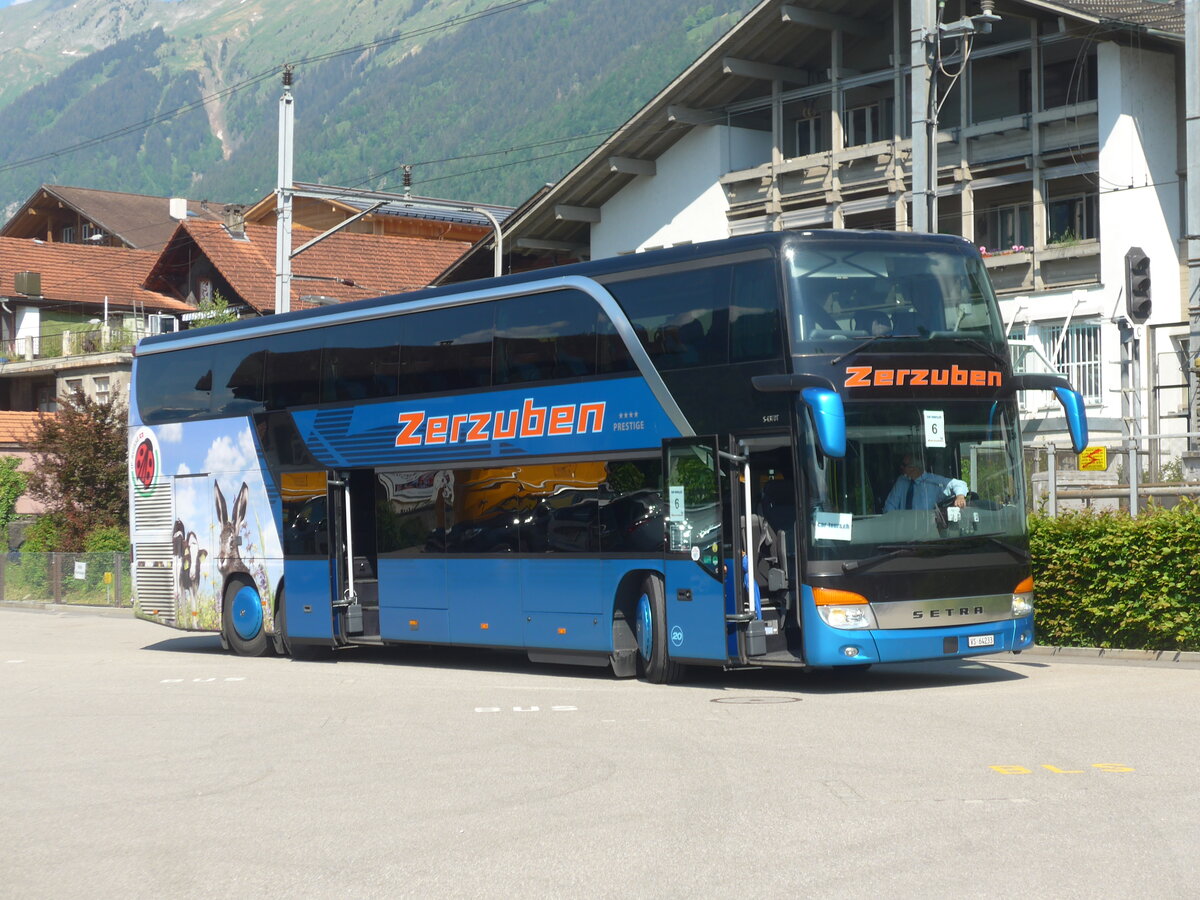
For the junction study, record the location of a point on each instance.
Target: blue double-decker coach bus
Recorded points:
(796, 449)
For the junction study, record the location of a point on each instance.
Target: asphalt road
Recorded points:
(136, 761)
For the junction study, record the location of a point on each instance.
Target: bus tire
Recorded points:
(242, 619)
(650, 632)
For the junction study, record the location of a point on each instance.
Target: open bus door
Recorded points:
(694, 561)
(352, 555)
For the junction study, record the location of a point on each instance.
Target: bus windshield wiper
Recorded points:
(893, 551)
(1022, 555)
(931, 548)
(984, 348)
(872, 339)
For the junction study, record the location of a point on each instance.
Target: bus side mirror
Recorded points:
(1070, 399)
(822, 400)
(1072, 404)
(829, 417)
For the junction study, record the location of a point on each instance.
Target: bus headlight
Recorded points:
(843, 609)
(1022, 599)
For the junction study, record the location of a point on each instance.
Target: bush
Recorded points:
(42, 536)
(1108, 580)
(107, 539)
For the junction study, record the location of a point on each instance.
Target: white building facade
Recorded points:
(1060, 146)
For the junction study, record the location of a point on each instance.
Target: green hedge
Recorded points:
(1108, 580)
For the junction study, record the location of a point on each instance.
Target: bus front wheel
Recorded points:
(650, 632)
(242, 619)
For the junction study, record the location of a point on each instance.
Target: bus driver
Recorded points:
(918, 489)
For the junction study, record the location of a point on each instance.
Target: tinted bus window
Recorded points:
(446, 349)
(545, 337)
(175, 386)
(683, 317)
(294, 369)
(612, 356)
(239, 370)
(362, 361)
(754, 314)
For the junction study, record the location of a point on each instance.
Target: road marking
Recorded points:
(525, 709)
(14, 661)
(1111, 768)
(202, 680)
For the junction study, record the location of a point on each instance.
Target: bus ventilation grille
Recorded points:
(154, 581)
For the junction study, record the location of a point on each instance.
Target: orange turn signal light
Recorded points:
(831, 597)
(1025, 586)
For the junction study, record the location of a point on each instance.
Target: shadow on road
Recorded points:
(191, 643)
(898, 677)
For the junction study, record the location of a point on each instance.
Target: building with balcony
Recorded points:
(70, 316)
(1059, 147)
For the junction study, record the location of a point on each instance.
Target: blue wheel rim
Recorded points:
(645, 627)
(247, 613)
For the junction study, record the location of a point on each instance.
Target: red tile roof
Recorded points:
(373, 264)
(17, 427)
(76, 273)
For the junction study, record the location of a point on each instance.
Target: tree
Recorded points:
(215, 311)
(12, 486)
(79, 467)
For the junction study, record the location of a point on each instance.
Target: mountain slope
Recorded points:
(439, 84)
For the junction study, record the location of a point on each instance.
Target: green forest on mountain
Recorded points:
(488, 110)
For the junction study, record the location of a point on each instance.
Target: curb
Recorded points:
(49, 606)
(1151, 656)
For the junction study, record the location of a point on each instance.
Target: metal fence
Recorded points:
(92, 579)
(1129, 475)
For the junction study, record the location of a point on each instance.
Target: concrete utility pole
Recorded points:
(283, 199)
(923, 20)
(1191, 54)
(926, 34)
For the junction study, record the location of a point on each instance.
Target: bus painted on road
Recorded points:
(678, 457)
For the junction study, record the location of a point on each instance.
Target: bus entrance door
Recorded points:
(693, 561)
(353, 556)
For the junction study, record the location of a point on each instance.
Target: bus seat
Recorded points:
(779, 505)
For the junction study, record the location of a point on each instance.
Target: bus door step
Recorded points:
(362, 620)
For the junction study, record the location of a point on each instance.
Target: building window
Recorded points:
(91, 231)
(206, 290)
(1006, 227)
(101, 385)
(862, 125)
(808, 135)
(74, 386)
(1077, 357)
(67, 235)
(1072, 219)
(1069, 81)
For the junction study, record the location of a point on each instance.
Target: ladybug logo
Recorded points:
(145, 462)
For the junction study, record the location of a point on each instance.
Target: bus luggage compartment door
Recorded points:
(695, 594)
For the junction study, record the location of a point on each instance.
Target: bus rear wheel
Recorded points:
(242, 619)
(650, 633)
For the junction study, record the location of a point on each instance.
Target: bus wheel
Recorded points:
(650, 632)
(242, 620)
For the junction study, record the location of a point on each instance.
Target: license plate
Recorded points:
(982, 640)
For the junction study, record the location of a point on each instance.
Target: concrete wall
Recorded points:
(684, 202)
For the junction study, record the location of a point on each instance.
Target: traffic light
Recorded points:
(1137, 285)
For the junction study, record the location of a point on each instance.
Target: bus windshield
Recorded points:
(870, 289)
(897, 484)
